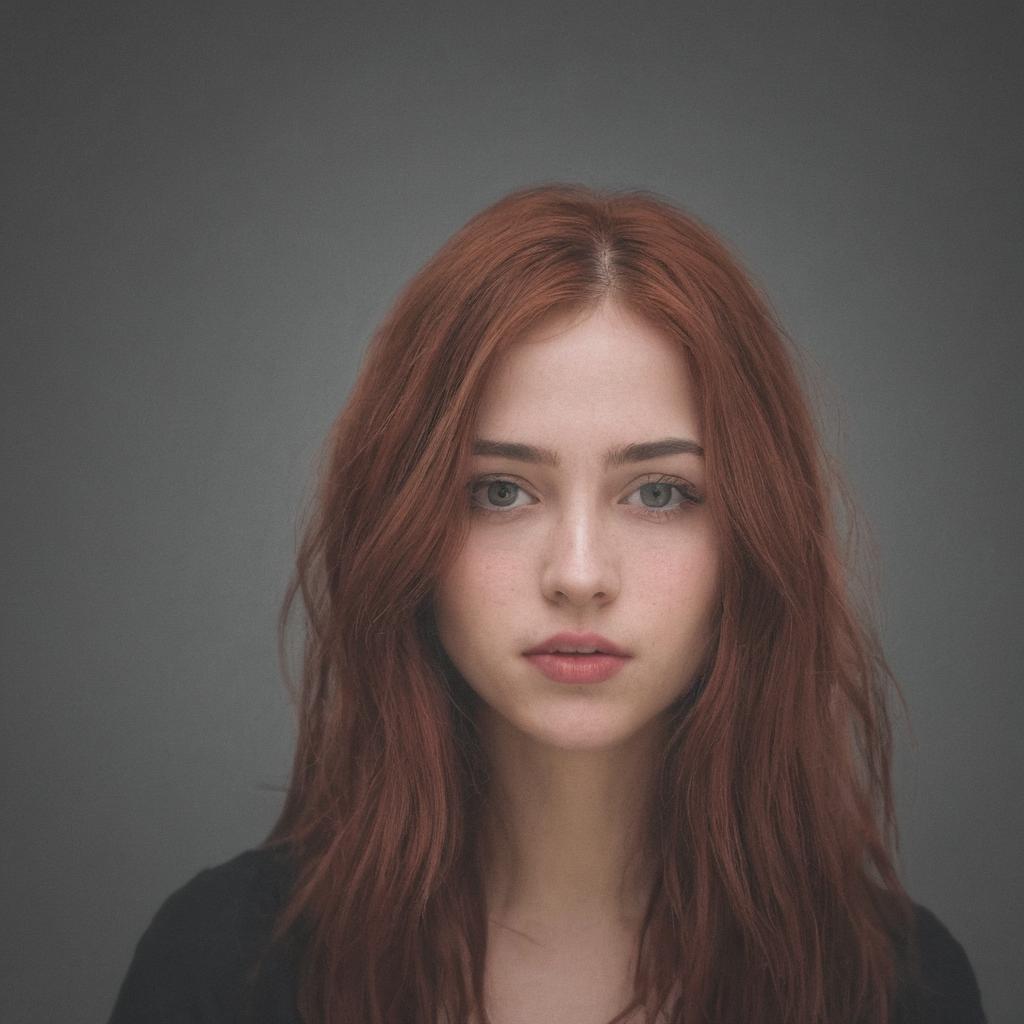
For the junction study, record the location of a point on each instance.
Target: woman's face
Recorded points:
(619, 550)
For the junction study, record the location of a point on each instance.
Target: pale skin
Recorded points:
(578, 546)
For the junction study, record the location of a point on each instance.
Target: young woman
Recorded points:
(589, 728)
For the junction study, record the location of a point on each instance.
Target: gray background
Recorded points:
(207, 211)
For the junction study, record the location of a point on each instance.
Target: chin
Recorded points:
(581, 731)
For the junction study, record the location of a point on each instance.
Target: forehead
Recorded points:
(596, 374)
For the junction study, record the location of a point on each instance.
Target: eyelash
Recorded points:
(690, 497)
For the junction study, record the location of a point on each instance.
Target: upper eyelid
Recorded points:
(649, 478)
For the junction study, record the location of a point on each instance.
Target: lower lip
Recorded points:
(577, 668)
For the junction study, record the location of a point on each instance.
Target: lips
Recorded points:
(577, 668)
(567, 641)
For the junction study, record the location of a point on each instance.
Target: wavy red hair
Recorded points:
(777, 896)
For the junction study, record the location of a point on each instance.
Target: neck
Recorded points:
(567, 831)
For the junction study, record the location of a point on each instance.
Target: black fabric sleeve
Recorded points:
(197, 961)
(946, 992)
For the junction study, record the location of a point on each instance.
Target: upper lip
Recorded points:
(568, 641)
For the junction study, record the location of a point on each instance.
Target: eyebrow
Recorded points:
(639, 451)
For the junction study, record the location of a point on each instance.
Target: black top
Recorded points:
(193, 962)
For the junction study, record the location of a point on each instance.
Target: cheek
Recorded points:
(681, 581)
(477, 591)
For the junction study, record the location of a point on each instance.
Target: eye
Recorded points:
(659, 490)
(500, 494)
(499, 491)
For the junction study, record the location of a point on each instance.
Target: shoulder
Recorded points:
(940, 987)
(207, 948)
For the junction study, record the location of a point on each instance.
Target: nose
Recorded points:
(579, 562)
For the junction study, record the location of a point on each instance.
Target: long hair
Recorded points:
(776, 896)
